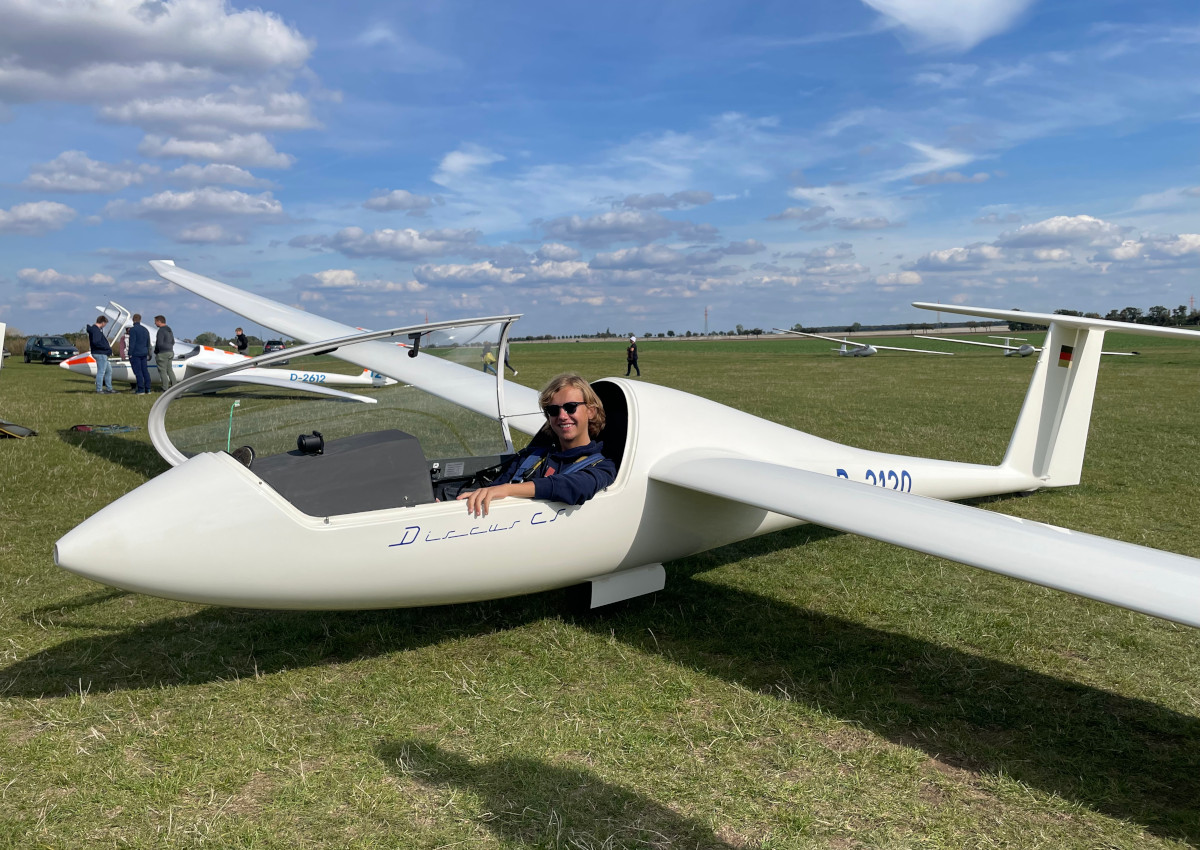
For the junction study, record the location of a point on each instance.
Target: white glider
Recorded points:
(360, 526)
(861, 349)
(191, 360)
(1023, 350)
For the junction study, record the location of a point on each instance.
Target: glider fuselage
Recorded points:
(435, 553)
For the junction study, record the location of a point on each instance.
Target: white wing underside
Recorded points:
(1014, 348)
(261, 380)
(1142, 579)
(474, 390)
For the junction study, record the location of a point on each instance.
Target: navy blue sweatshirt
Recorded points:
(562, 478)
(97, 342)
(139, 340)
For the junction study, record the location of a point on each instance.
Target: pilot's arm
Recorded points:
(478, 500)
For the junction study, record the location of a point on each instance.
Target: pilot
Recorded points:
(570, 472)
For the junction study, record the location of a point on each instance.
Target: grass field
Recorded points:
(804, 689)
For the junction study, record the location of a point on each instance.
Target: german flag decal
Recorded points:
(1064, 356)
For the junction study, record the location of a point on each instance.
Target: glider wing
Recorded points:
(1147, 580)
(472, 389)
(259, 379)
(863, 344)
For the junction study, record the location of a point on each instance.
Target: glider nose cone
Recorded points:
(82, 364)
(156, 539)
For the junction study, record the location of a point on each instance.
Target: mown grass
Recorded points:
(804, 689)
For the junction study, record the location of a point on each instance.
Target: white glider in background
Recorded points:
(861, 349)
(370, 522)
(1023, 350)
(191, 360)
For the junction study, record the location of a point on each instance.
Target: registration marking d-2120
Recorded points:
(889, 478)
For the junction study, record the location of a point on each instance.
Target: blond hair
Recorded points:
(570, 379)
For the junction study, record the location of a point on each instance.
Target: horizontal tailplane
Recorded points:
(1052, 429)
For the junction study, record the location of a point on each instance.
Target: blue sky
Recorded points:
(617, 165)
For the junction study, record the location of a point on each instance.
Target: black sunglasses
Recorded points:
(570, 407)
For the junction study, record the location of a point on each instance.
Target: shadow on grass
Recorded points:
(535, 803)
(85, 600)
(1125, 757)
(135, 455)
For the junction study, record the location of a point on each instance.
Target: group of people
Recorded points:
(139, 351)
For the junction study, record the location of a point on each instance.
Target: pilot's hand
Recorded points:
(479, 500)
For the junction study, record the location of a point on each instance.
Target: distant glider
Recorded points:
(191, 360)
(861, 349)
(1023, 350)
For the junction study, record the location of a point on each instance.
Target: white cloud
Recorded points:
(1063, 230)
(198, 202)
(1152, 249)
(404, 244)
(399, 199)
(946, 76)
(35, 219)
(229, 175)
(347, 279)
(474, 274)
(909, 278)
(646, 257)
(50, 277)
(209, 234)
(63, 35)
(801, 214)
(557, 251)
(746, 246)
(558, 271)
(659, 201)
(1167, 199)
(251, 150)
(75, 171)
(972, 256)
(609, 227)
(952, 24)
(1049, 255)
(933, 178)
(237, 110)
(462, 163)
(98, 83)
(872, 223)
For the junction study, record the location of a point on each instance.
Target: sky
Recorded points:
(623, 166)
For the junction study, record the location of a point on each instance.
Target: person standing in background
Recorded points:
(101, 351)
(631, 360)
(242, 343)
(139, 355)
(164, 351)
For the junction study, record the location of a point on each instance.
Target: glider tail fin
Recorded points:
(1052, 429)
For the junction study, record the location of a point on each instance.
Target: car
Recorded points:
(275, 345)
(48, 349)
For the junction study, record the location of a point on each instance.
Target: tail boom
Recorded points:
(1050, 437)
